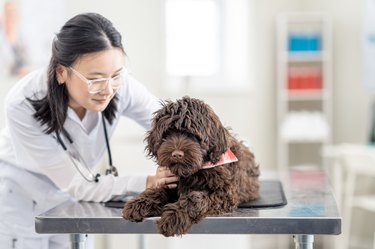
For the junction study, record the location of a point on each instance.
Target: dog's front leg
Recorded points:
(178, 217)
(148, 203)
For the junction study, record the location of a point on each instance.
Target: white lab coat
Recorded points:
(36, 174)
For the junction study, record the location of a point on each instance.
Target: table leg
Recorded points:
(303, 241)
(141, 241)
(78, 241)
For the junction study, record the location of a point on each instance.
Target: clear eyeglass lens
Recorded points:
(99, 85)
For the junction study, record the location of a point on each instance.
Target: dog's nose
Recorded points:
(177, 154)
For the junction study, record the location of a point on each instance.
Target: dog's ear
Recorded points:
(201, 120)
(160, 124)
(153, 138)
(217, 136)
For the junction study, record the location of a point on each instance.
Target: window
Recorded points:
(207, 45)
(192, 37)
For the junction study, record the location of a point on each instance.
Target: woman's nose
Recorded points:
(107, 90)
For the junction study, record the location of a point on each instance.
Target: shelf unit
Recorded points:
(304, 88)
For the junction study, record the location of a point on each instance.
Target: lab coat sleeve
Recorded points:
(107, 188)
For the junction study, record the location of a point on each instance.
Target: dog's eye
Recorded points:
(206, 152)
(195, 138)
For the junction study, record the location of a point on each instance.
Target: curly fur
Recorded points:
(185, 134)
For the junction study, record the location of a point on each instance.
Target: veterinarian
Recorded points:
(58, 124)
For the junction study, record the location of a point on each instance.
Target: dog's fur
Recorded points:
(185, 134)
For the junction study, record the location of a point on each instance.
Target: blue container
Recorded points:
(313, 42)
(298, 42)
(295, 42)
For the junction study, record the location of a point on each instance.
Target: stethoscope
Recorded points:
(93, 178)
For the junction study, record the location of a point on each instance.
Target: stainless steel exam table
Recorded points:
(311, 210)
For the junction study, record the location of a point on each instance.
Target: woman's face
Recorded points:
(103, 64)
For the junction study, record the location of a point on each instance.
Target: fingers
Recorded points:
(164, 172)
(171, 186)
(171, 179)
(168, 182)
(165, 178)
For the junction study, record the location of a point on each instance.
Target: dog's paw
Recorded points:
(135, 210)
(173, 222)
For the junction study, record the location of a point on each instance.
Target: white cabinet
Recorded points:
(304, 88)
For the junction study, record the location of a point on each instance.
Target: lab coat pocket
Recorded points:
(14, 242)
(17, 208)
(7, 241)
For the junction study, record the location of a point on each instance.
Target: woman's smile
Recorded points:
(102, 100)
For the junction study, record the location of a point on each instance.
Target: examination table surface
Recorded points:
(310, 210)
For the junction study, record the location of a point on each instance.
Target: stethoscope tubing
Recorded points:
(95, 178)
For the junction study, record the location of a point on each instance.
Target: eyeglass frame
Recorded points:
(90, 82)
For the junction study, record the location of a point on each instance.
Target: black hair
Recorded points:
(82, 34)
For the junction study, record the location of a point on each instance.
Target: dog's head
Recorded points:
(185, 134)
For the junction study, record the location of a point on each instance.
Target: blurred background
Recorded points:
(295, 79)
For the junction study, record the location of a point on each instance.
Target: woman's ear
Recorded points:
(61, 74)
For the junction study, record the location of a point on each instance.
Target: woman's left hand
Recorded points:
(163, 178)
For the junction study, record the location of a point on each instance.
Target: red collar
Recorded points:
(227, 157)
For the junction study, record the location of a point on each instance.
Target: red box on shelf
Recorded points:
(304, 78)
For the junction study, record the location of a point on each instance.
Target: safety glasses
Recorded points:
(98, 85)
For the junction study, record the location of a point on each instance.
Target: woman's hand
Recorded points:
(162, 179)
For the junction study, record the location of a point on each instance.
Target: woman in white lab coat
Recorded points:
(58, 124)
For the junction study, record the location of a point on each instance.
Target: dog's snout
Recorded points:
(177, 154)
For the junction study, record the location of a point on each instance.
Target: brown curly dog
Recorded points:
(185, 135)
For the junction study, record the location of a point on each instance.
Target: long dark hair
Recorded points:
(82, 34)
